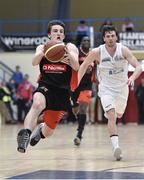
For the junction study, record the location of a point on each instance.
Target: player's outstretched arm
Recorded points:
(38, 55)
(134, 62)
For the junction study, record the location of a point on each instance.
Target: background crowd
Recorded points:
(16, 94)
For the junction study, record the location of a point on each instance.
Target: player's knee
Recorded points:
(83, 108)
(39, 101)
(111, 114)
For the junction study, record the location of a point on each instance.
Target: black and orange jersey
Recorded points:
(55, 74)
(86, 82)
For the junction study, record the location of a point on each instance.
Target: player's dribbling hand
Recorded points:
(130, 81)
(66, 58)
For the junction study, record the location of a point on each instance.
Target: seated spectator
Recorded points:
(107, 21)
(81, 30)
(24, 97)
(17, 76)
(5, 98)
(127, 26)
(11, 86)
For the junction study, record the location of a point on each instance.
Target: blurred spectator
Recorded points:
(24, 97)
(5, 97)
(81, 30)
(140, 100)
(107, 21)
(12, 88)
(17, 76)
(127, 26)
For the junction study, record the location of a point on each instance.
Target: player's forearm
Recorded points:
(74, 62)
(137, 72)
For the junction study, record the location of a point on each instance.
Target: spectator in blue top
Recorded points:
(17, 76)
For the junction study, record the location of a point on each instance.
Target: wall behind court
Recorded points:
(107, 9)
(44, 9)
(25, 10)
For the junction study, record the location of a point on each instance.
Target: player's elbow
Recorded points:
(34, 63)
(76, 68)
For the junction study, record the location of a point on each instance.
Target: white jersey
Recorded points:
(112, 72)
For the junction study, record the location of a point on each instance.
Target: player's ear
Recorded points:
(103, 39)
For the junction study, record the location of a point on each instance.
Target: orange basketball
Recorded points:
(54, 50)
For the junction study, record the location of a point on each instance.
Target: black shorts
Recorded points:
(75, 95)
(56, 99)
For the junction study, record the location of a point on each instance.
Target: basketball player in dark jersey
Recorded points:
(52, 95)
(82, 95)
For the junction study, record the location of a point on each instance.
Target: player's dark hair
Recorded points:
(108, 28)
(55, 22)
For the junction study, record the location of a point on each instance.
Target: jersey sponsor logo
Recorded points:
(116, 71)
(54, 67)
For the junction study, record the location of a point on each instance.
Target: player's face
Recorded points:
(110, 38)
(57, 33)
(85, 43)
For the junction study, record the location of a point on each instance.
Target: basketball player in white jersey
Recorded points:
(112, 60)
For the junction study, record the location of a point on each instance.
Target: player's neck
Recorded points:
(111, 49)
(84, 50)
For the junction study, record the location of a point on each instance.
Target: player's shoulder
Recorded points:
(39, 46)
(121, 45)
(95, 50)
(124, 48)
(69, 44)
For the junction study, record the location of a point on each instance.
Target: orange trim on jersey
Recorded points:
(74, 80)
(52, 118)
(85, 96)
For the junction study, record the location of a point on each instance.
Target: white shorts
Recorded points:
(116, 101)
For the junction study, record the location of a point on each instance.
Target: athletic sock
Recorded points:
(81, 124)
(114, 140)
